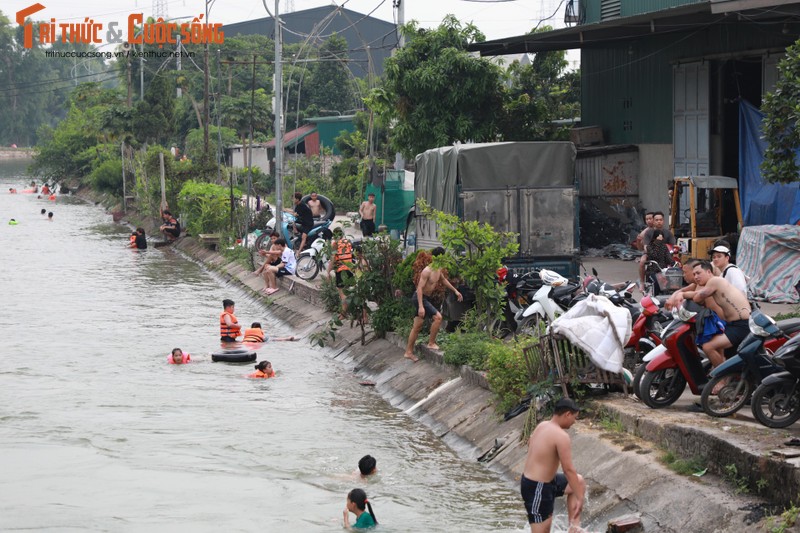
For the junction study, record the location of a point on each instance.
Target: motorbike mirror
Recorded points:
(761, 324)
(681, 313)
(594, 271)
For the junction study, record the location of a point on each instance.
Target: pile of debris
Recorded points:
(603, 223)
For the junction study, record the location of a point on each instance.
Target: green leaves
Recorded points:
(782, 111)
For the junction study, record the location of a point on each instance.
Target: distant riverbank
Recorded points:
(16, 153)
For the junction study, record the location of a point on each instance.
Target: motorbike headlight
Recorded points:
(759, 322)
(681, 313)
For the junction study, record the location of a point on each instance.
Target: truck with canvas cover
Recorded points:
(522, 187)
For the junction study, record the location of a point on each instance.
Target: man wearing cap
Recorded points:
(721, 259)
(541, 483)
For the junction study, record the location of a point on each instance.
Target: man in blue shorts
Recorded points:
(548, 446)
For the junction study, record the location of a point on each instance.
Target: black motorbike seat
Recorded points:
(564, 290)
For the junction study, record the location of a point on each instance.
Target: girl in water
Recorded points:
(357, 503)
(178, 357)
(263, 370)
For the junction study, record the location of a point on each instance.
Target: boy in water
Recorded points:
(229, 327)
(367, 466)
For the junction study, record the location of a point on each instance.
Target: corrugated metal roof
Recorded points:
(294, 136)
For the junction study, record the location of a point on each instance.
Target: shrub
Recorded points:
(107, 177)
(206, 207)
(467, 349)
(403, 279)
(389, 314)
(330, 295)
(507, 374)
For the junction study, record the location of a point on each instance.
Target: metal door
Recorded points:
(690, 113)
(547, 219)
(498, 208)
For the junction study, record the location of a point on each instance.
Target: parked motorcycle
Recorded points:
(675, 363)
(544, 307)
(776, 402)
(313, 259)
(645, 332)
(749, 367)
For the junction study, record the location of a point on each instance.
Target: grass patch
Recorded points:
(683, 467)
(740, 482)
(786, 520)
(611, 423)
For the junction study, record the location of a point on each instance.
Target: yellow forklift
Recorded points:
(704, 210)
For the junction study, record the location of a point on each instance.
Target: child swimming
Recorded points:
(178, 357)
(357, 503)
(263, 370)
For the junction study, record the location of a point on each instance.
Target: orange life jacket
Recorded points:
(343, 255)
(260, 374)
(253, 335)
(225, 330)
(133, 241)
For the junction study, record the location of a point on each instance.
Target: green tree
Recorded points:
(154, 120)
(538, 94)
(330, 86)
(436, 91)
(781, 116)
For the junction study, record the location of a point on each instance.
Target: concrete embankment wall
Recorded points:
(622, 473)
(16, 153)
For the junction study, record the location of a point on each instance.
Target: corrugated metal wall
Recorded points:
(607, 175)
(598, 10)
(627, 88)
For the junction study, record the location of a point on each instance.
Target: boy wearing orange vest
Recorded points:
(229, 327)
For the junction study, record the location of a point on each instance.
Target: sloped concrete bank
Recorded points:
(623, 475)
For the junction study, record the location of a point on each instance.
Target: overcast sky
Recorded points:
(495, 19)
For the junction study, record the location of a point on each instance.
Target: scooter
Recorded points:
(776, 402)
(313, 259)
(293, 240)
(544, 308)
(675, 363)
(749, 367)
(646, 331)
(520, 288)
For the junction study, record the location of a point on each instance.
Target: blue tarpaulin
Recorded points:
(762, 203)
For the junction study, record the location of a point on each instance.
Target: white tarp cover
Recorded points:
(491, 166)
(599, 328)
(770, 257)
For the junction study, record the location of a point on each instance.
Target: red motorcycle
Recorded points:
(648, 326)
(678, 361)
(672, 365)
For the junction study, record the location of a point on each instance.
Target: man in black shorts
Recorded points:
(304, 222)
(549, 446)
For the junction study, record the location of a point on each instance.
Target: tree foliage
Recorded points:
(782, 115)
(476, 251)
(539, 93)
(436, 92)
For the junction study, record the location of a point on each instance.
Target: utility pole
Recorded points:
(278, 119)
(205, 94)
(178, 63)
(401, 20)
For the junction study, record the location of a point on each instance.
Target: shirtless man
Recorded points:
(428, 279)
(648, 224)
(367, 211)
(540, 485)
(315, 205)
(732, 305)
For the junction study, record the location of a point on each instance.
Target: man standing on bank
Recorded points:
(428, 279)
(367, 211)
(540, 485)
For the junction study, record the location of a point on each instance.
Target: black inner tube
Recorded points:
(330, 212)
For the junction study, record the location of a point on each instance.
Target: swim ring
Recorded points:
(234, 355)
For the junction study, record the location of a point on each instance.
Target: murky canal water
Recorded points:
(98, 433)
